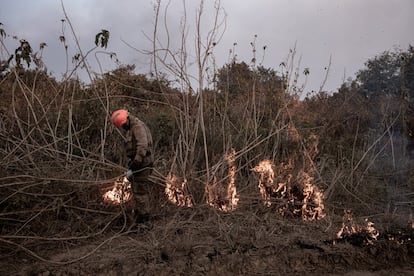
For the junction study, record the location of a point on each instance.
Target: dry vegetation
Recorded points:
(325, 156)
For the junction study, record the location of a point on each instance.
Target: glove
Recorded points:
(129, 175)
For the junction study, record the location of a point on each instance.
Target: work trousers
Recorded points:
(141, 188)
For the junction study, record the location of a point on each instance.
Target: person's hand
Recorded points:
(129, 175)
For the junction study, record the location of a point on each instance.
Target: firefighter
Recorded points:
(140, 154)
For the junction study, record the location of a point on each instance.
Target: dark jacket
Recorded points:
(139, 148)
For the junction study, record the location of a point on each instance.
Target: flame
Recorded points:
(267, 186)
(278, 181)
(313, 206)
(311, 195)
(281, 187)
(219, 197)
(371, 230)
(120, 193)
(278, 187)
(177, 192)
(232, 195)
(266, 178)
(350, 227)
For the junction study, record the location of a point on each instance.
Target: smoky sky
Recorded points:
(344, 33)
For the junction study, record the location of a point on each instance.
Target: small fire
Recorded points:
(177, 192)
(266, 179)
(349, 227)
(120, 193)
(232, 195)
(277, 182)
(313, 206)
(224, 199)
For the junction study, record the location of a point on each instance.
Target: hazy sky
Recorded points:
(349, 31)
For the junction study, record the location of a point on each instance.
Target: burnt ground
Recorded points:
(203, 241)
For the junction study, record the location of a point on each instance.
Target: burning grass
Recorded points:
(291, 187)
(224, 196)
(298, 196)
(363, 233)
(119, 193)
(177, 191)
(351, 228)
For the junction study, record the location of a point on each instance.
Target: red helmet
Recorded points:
(119, 117)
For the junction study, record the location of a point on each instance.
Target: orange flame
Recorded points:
(350, 227)
(120, 193)
(177, 192)
(275, 182)
(312, 198)
(232, 195)
(220, 198)
(312, 205)
(266, 179)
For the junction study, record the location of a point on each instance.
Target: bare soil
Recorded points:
(201, 241)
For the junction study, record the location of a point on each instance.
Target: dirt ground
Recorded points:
(203, 241)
